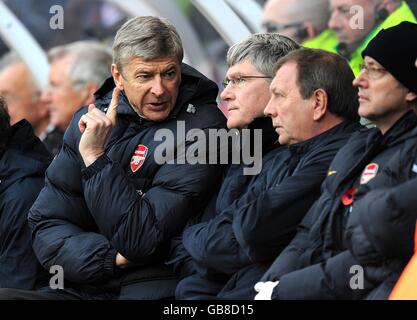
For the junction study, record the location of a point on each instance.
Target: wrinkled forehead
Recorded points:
(286, 76)
(244, 67)
(151, 65)
(369, 61)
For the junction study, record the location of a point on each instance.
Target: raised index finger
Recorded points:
(114, 103)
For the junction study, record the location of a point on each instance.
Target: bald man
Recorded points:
(19, 88)
(377, 15)
(304, 21)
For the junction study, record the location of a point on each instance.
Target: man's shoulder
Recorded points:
(203, 115)
(355, 146)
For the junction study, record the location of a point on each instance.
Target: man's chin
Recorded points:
(157, 116)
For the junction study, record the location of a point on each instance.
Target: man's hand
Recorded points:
(95, 127)
(265, 289)
(121, 261)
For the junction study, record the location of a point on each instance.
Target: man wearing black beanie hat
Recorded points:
(388, 81)
(381, 229)
(334, 254)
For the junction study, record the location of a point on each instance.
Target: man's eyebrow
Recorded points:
(234, 75)
(150, 71)
(277, 91)
(140, 70)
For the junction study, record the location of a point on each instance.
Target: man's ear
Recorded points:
(320, 102)
(410, 96)
(91, 89)
(311, 31)
(117, 76)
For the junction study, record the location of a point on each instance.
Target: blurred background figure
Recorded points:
(304, 21)
(84, 20)
(19, 88)
(353, 37)
(77, 71)
(23, 97)
(23, 161)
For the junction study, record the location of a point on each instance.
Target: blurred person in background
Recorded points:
(77, 71)
(23, 161)
(353, 34)
(23, 96)
(304, 21)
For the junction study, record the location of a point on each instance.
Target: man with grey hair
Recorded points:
(19, 88)
(77, 70)
(256, 217)
(304, 21)
(110, 207)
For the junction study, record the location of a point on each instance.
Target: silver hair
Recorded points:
(90, 62)
(8, 59)
(11, 58)
(263, 50)
(148, 38)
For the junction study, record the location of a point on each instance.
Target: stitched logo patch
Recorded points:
(369, 173)
(331, 172)
(138, 157)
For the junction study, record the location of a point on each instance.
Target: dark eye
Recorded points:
(170, 74)
(143, 77)
(345, 11)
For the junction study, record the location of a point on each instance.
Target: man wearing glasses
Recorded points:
(303, 21)
(322, 259)
(356, 22)
(255, 217)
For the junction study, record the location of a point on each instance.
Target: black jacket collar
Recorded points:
(396, 134)
(304, 146)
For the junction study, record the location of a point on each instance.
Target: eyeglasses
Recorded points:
(270, 27)
(373, 72)
(239, 81)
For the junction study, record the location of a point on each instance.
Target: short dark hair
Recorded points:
(4, 123)
(319, 69)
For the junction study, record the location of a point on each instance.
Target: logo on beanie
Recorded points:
(138, 157)
(369, 173)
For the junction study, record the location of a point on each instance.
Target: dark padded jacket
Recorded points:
(317, 263)
(255, 227)
(235, 183)
(85, 216)
(380, 232)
